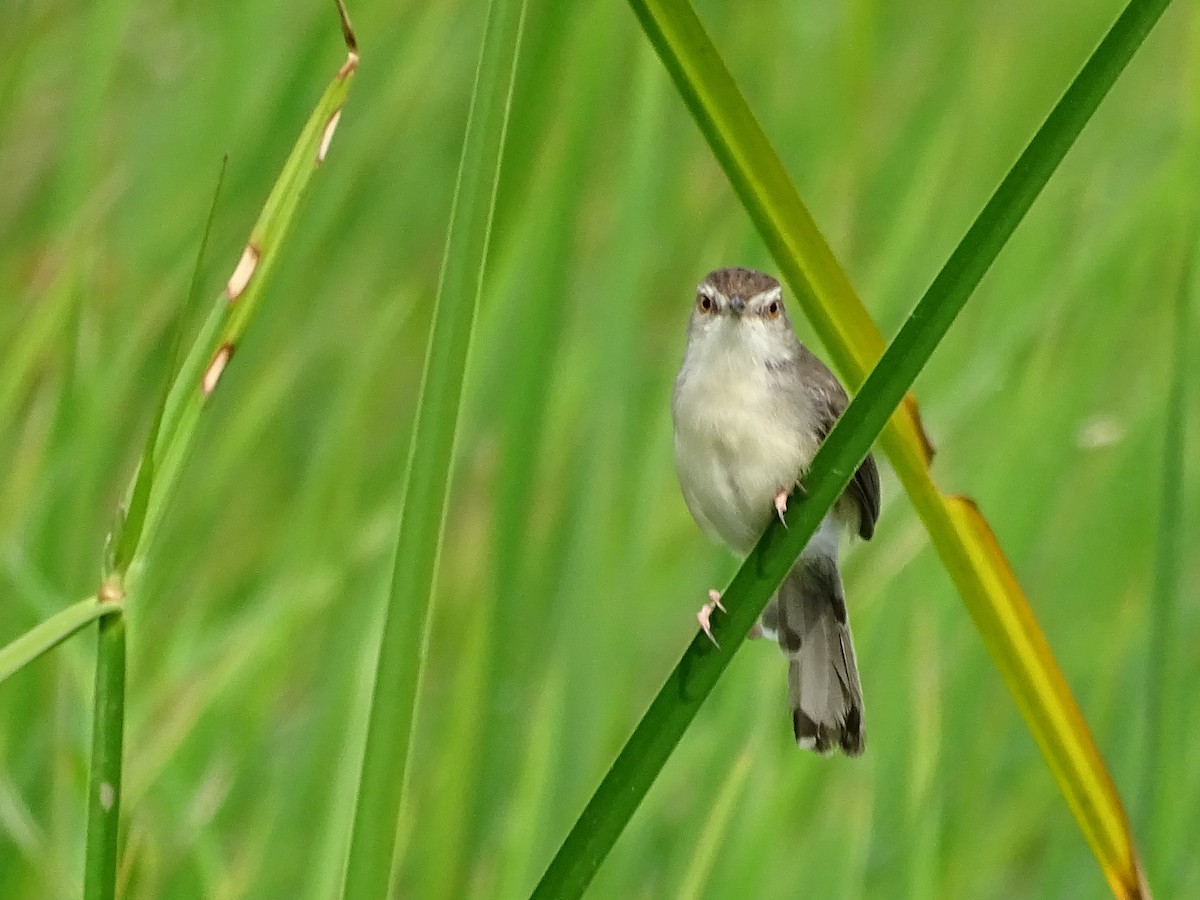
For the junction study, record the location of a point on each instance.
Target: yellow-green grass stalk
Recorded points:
(430, 461)
(961, 535)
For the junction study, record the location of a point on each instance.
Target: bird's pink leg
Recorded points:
(706, 611)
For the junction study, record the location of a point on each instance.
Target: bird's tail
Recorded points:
(823, 686)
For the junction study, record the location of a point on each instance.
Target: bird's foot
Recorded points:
(705, 613)
(781, 500)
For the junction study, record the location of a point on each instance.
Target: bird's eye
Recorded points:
(705, 303)
(773, 309)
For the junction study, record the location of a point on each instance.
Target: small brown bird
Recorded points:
(751, 406)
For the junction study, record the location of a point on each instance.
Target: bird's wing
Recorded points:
(830, 401)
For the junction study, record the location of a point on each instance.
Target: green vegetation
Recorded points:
(963, 539)
(395, 700)
(570, 568)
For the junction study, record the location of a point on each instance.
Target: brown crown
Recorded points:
(738, 282)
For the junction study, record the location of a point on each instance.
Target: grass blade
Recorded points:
(127, 534)
(713, 832)
(964, 541)
(961, 535)
(164, 453)
(104, 774)
(47, 635)
(405, 634)
(222, 332)
(1161, 765)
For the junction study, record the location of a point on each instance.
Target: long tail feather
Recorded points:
(823, 684)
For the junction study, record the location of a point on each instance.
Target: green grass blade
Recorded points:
(166, 449)
(1163, 761)
(104, 775)
(405, 634)
(712, 833)
(222, 332)
(1010, 631)
(47, 635)
(970, 553)
(1010, 202)
(1011, 634)
(127, 534)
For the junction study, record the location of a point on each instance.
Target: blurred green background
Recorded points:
(571, 568)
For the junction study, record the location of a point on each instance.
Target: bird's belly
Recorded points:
(730, 470)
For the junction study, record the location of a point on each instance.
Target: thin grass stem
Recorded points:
(104, 776)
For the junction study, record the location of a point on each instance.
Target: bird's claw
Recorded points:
(705, 613)
(781, 500)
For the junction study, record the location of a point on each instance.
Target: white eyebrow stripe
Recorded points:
(775, 293)
(708, 291)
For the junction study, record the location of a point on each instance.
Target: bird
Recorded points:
(751, 405)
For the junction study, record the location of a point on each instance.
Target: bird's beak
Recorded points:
(737, 304)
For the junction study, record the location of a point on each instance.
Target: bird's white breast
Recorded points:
(738, 443)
